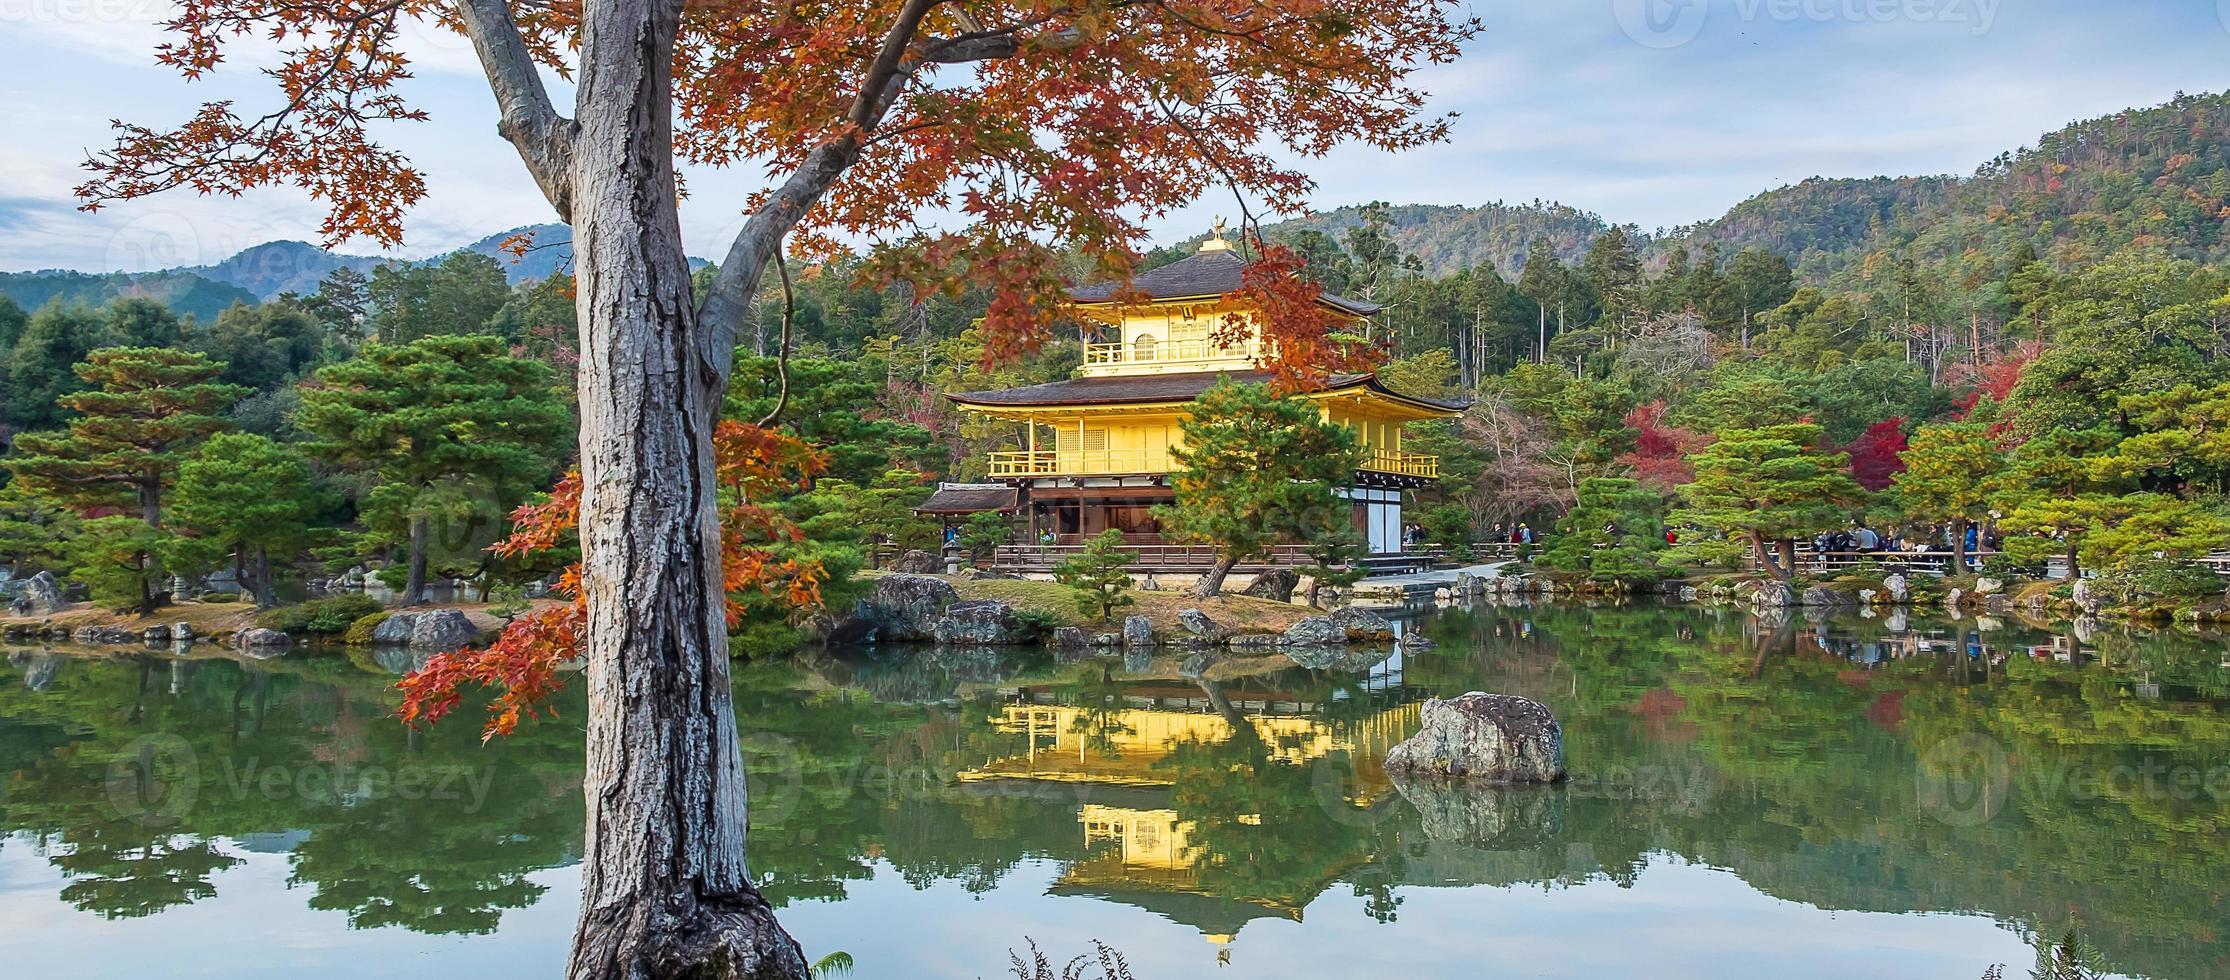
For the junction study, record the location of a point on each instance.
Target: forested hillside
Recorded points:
(2158, 176)
(182, 292)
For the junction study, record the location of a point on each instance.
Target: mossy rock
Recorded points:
(360, 632)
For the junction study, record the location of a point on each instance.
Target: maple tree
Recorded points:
(1877, 454)
(523, 663)
(1041, 126)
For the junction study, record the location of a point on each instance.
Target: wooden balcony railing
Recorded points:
(1169, 351)
(1050, 462)
(1402, 464)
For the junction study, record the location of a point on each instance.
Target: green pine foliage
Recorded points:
(1099, 575)
(1257, 469)
(1613, 534)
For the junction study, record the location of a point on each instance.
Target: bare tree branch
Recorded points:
(544, 138)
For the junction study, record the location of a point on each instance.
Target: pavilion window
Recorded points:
(1142, 347)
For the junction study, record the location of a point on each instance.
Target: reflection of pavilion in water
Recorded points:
(1140, 851)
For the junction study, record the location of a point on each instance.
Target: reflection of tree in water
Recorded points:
(272, 750)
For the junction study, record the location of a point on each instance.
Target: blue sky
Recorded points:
(1657, 112)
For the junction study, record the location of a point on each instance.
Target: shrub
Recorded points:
(360, 632)
(220, 597)
(331, 614)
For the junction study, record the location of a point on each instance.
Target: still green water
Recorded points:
(1856, 798)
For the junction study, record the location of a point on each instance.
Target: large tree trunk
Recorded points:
(1959, 546)
(414, 587)
(267, 593)
(664, 888)
(1211, 584)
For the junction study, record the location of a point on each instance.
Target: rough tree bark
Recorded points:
(1211, 584)
(665, 890)
(664, 887)
(414, 586)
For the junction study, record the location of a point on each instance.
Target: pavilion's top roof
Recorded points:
(1147, 389)
(1206, 274)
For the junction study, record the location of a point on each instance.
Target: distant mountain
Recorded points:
(283, 267)
(185, 293)
(2158, 176)
(549, 250)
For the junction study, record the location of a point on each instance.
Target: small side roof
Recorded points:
(1151, 389)
(968, 498)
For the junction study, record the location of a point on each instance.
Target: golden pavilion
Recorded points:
(1094, 450)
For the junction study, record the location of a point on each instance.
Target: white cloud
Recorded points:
(1556, 102)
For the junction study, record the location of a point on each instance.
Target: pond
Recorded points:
(1861, 797)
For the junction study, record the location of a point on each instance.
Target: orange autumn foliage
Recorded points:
(524, 664)
(1044, 128)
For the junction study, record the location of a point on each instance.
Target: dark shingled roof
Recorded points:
(1153, 388)
(967, 499)
(1211, 273)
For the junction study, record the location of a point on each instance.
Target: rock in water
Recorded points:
(1897, 588)
(1071, 638)
(1988, 586)
(42, 595)
(1364, 626)
(900, 609)
(1138, 633)
(1822, 596)
(1314, 631)
(1492, 737)
(439, 630)
(262, 638)
(1772, 595)
(2085, 597)
(980, 622)
(1198, 624)
(1277, 583)
(918, 562)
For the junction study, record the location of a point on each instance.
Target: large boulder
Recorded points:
(439, 630)
(1277, 583)
(1314, 631)
(41, 595)
(1071, 638)
(2086, 598)
(1986, 585)
(1897, 589)
(899, 609)
(1824, 597)
(1490, 737)
(918, 562)
(1198, 624)
(104, 634)
(1364, 626)
(1772, 595)
(980, 623)
(1138, 633)
(262, 639)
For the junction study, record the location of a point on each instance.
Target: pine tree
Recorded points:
(453, 428)
(1953, 472)
(1100, 575)
(1256, 469)
(146, 407)
(1613, 534)
(244, 497)
(1768, 486)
